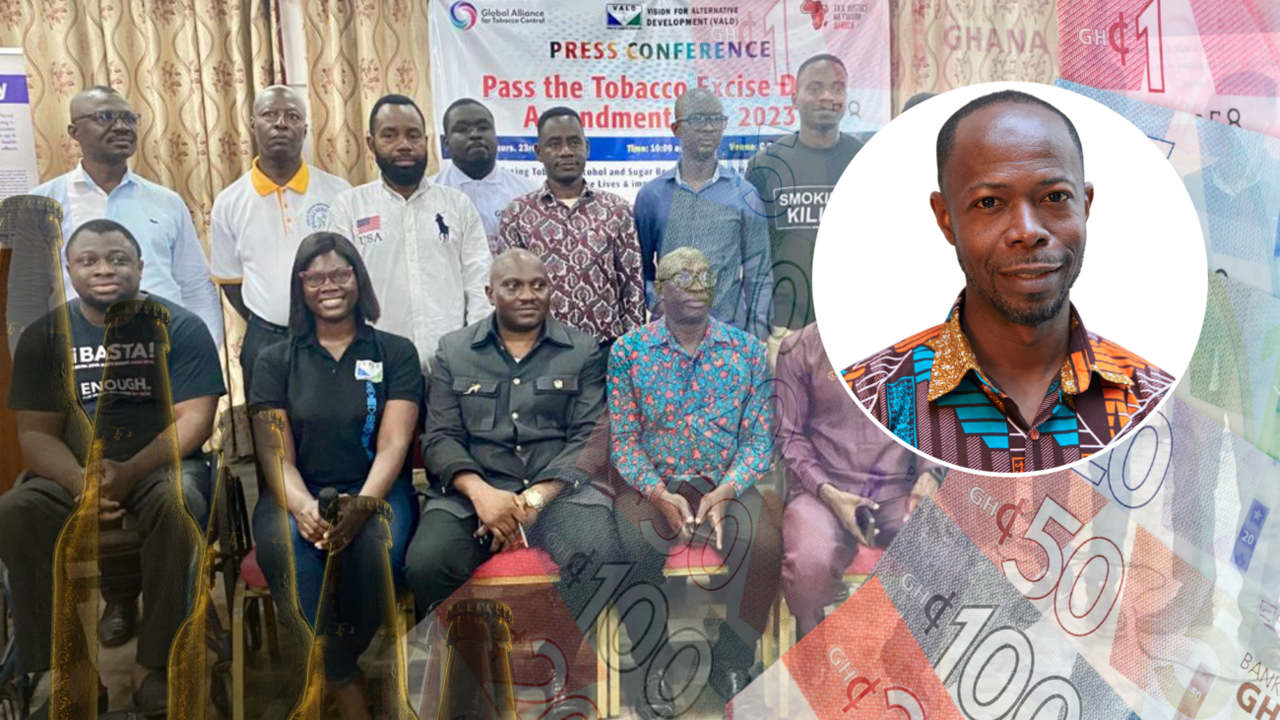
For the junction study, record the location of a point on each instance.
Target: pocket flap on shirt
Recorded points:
(475, 386)
(567, 384)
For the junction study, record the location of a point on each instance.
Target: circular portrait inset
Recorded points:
(955, 297)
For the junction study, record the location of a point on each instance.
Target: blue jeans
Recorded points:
(358, 601)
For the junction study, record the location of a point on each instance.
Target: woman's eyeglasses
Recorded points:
(339, 276)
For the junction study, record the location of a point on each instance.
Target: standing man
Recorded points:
(472, 140)
(794, 177)
(260, 219)
(703, 203)
(57, 427)
(101, 186)
(423, 243)
(690, 417)
(851, 484)
(587, 237)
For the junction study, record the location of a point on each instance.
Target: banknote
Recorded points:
(1170, 642)
(1234, 375)
(1233, 177)
(1219, 60)
(996, 653)
(939, 632)
(862, 662)
(1207, 494)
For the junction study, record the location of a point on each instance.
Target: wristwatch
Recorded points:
(532, 498)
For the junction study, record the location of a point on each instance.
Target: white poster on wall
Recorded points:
(18, 173)
(622, 65)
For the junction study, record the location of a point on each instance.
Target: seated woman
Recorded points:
(349, 396)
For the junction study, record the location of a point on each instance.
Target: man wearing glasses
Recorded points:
(260, 219)
(690, 416)
(101, 186)
(704, 204)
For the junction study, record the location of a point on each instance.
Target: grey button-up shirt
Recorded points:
(513, 423)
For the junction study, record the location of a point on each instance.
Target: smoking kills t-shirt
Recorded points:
(126, 402)
(795, 182)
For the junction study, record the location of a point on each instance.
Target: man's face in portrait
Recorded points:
(1014, 203)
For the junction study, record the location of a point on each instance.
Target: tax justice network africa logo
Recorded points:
(463, 15)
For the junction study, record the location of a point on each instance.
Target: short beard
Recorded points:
(102, 307)
(1036, 314)
(403, 176)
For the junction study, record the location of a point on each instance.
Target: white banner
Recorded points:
(18, 172)
(622, 65)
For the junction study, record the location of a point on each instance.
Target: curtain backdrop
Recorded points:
(940, 45)
(358, 51)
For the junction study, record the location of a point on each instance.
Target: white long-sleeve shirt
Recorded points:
(427, 257)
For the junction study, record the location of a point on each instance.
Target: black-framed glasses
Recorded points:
(107, 118)
(702, 120)
(316, 279)
(684, 279)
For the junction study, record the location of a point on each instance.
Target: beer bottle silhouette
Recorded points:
(30, 268)
(146, 401)
(331, 627)
(477, 674)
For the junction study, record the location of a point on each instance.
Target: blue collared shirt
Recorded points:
(727, 223)
(174, 262)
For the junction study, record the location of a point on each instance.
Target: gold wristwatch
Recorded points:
(533, 498)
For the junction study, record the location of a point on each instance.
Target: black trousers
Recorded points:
(258, 336)
(31, 518)
(579, 538)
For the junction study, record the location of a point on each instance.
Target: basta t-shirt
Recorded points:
(795, 182)
(131, 412)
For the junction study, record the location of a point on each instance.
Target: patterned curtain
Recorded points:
(939, 45)
(357, 51)
(190, 67)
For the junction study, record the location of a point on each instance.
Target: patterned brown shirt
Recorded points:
(929, 391)
(592, 254)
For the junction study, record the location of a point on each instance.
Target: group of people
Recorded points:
(585, 377)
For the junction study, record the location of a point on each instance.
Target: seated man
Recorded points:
(1012, 382)
(513, 401)
(852, 485)
(55, 431)
(689, 412)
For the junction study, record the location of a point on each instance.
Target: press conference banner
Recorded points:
(622, 66)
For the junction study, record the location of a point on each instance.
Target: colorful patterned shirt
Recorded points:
(592, 255)
(929, 391)
(674, 414)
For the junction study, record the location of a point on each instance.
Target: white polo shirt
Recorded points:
(427, 257)
(491, 193)
(256, 228)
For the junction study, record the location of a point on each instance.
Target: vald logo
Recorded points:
(463, 15)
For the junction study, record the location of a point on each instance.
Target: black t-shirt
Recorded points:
(131, 413)
(795, 181)
(335, 407)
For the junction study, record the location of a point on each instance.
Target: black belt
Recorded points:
(268, 326)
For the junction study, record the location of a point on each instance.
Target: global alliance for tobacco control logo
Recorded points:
(463, 15)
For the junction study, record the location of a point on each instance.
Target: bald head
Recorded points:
(519, 291)
(105, 126)
(87, 100)
(698, 100)
(279, 126)
(267, 94)
(699, 123)
(514, 260)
